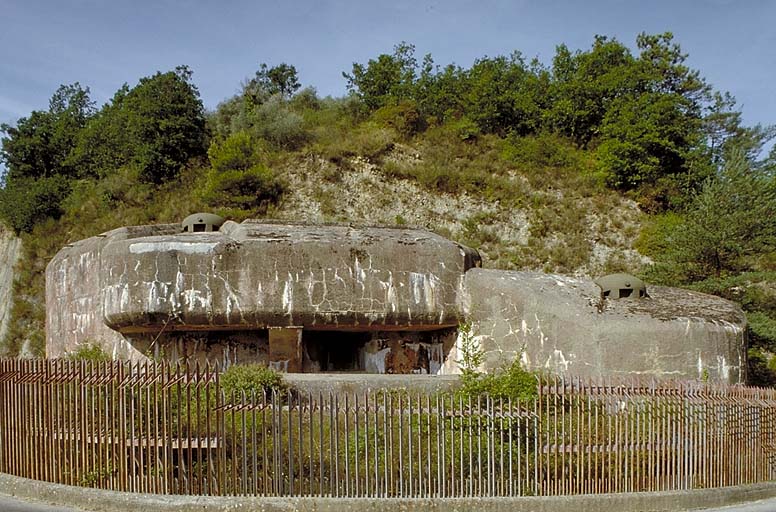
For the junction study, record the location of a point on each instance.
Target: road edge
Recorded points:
(114, 501)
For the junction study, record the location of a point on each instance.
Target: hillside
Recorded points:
(603, 161)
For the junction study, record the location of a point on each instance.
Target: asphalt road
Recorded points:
(8, 504)
(13, 505)
(755, 506)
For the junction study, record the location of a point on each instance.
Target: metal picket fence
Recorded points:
(171, 429)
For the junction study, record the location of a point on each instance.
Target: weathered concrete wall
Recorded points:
(151, 290)
(374, 300)
(10, 250)
(74, 290)
(255, 275)
(553, 322)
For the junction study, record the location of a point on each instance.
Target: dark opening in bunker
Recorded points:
(400, 352)
(333, 351)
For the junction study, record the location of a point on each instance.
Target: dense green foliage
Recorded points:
(152, 129)
(557, 141)
(724, 243)
(644, 113)
(251, 380)
(238, 178)
(89, 352)
(155, 127)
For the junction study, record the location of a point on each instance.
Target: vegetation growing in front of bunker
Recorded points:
(512, 382)
(561, 143)
(246, 381)
(89, 352)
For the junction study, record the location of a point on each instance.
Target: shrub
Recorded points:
(404, 118)
(655, 237)
(306, 99)
(254, 189)
(762, 330)
(238, 178)
(543, 150)
(464, 129)
(512, 382)
(762, 368)
(369, 140)
(238, 152)
(252, 378)
(274, 122)
(89, 352)
(25, 202)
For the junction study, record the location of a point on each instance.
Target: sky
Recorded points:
(104, 44)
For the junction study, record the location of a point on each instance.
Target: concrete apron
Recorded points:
(112, 501)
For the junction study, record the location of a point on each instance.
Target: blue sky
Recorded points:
(103, 44)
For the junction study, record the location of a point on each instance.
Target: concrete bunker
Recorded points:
(621, 286)
(202, 222)
(301, 298)
(406, 352)
(339, 298)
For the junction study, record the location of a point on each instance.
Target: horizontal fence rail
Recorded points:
(172, 429)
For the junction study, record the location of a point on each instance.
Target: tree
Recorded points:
(583, 86)
(731, 220)
(157, 126)
(505, 95)
(652, 131)
(37, 154)
(39, 145)
(646, 137)
(26, 201)
(386, 80)
(281, 79)
(238, 177)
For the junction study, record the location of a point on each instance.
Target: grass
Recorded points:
(544, 179)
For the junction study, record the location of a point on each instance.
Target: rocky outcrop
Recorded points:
(10, 250)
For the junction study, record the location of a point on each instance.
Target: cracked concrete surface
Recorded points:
(553, 323)
(152, 290)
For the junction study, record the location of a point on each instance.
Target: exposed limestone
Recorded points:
(10, 250)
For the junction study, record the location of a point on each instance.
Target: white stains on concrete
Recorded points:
(436, 357)
(288, 294)
(374, 362)
(558, 361)
(196, 299)
(184, 247)
(424, 288)
(542, 338)
(700, 366)
(724, 368)
(279, 366)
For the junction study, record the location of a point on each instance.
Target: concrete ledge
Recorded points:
(111, 501)
(360, 382)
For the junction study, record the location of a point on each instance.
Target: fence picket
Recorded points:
(173, 429)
